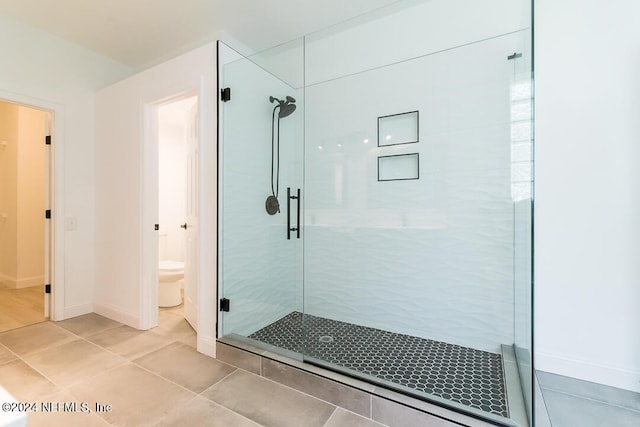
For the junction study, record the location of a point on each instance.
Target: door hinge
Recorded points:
(47, 140)
(47, 214)
(225, 94)
(47, 289)
(225, 304)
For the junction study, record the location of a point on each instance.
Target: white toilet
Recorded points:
(170, 275)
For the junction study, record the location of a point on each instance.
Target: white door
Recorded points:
(191, 221)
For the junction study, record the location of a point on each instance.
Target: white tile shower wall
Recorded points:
(431, 257)
(258, 262)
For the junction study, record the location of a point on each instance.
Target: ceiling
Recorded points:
(139, 33)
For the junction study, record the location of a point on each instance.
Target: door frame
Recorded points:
(55, 181)
(149, 208)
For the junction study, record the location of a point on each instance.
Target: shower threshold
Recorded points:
(467, 376)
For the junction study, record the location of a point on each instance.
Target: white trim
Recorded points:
(15, 283)
(207, 238)
(57, 197)
(149, 204)
(148, 307)
(115, 313)
(77, 310)
(613, 376)
(207, 345)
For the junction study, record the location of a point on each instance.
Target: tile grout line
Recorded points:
(304, 393)
(123, 361)
(45, 348)
(67, 389)
(370, 395)
(232, 411)
(330, 416)
(238, 369)
(16, 356)
(174, 410)
(133, 361)
(220, 404)
(371, 406)
(21, 359)
(218, 382)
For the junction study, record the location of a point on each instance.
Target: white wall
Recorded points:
(587, 247)
(125, 211)
(48, 72)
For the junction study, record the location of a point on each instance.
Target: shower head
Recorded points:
(286, 107)
(286, 110)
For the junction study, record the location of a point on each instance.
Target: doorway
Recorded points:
(25, 237)
(177, 234)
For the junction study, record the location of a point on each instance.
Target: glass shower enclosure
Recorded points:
(375, 202)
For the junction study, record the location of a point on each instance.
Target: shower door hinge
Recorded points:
(225, 304)
(47, 289)
(47, 140)
(225, 94)
(47, 214)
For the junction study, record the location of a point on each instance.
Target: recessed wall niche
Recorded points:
(399, 167)
(398, 129)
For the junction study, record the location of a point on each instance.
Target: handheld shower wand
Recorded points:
(286, 107)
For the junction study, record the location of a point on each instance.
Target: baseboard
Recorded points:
(117, 314)
(207, 345)
(30, 282)
(8, 281)
(588, 371)
(15, 283)
(77, 310)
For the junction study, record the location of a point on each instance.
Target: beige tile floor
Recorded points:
(150, 378)
(21, 307)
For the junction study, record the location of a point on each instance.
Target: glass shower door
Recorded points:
(261, 119)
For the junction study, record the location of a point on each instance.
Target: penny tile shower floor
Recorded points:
(471, 377)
